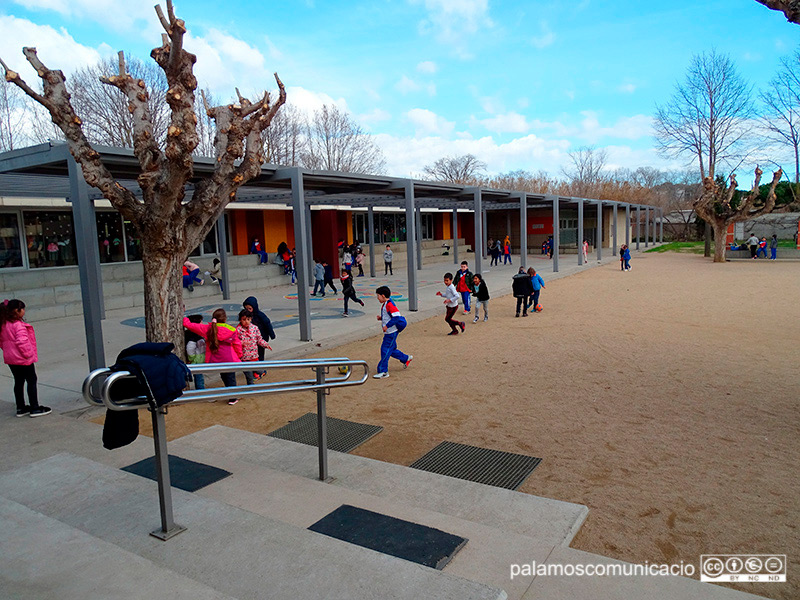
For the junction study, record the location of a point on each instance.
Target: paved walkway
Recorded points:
(63, 364)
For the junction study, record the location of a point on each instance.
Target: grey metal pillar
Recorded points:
(523, 229)
(371, 226)
(222, 247)
(411, 247)
(580, 231)
(88, 255)
(599, 230)
(485, 227)
(638, 225)
(309, 247)
(455, 236)
(322, 425)
(301, 237)
(655, 227)
(556, 234)
(627, 224)
(168, 526)
(616, 242)
(661, 226)
(419, 237)
(476, 194)
(646, 226)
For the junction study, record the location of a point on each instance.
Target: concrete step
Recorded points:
(44, 558)
(225, 548)
(547, 521)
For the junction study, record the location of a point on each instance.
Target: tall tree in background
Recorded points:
(335, 142)
(463, 169)
(782, 116)
(285, 139)
(586, 172)
(707, 116)
(169, 224)
(12, 117)
(720, 206)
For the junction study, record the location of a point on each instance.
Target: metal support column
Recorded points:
(523, 228)
(599, 230)
(371, 226)
(627, 224)
(556, 234)
(322, 425)
(638, 225)
(616, 241)
(168, 526)
(476, 194)
(419, 237)
(646, 226)
(309, 249)
(88, 255)
(411, 247)
(655, 227)
(455, 236)
(222, 246)
(485, 227)
(301, 237)
(580, 231)
(661, 226)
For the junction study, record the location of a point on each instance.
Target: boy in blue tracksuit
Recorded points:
(626, 257)
(538, 283)
(389, 317)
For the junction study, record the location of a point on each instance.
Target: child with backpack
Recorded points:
(392, 323)
(18, 342)
(222, 344)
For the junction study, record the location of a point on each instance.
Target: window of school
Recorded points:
(10, 240)
(49, 238)
(389, 227)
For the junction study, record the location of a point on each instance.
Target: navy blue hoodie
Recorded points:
(260, 320)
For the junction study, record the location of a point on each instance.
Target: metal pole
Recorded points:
(646, 226)
(655, 228)
(638, 225)
(222, 245)
(168, 526)
(523, 229)
(485, 228)
(476, 193)
(371, 225)
(411, 248)
(580, 231)
(556, 234)
(419, 237)
(627, 224)
(310, 247)
(301, 235)
(599, 230)
(661, 226)
(455, 236)
(614, 247)
(322, 425)
(88, 255)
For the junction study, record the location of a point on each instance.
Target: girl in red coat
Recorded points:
(222, 343)
(18, 342)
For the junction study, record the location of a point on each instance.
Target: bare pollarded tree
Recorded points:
(790, 8)
(722, 206)
(170, 225)
(335, 142)
(464, 169)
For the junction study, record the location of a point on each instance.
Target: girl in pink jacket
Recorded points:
(18, 342)
(222, 343)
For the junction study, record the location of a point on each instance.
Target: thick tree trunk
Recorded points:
(720, 235)
(163, 298)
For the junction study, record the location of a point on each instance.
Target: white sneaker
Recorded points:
(380, 375)
(475, 320)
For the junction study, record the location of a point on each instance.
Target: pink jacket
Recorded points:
(230, 346)
(18, 342)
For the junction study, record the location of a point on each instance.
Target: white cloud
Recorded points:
(590, 130)
(427, 66)
(376, 115)
(627, 88)
(511, 122)
(428, 123)
(406, 85)
(455, 22)
(308, 101)
(546, 37)
(431, 89)
(56, 49)
(118, 15)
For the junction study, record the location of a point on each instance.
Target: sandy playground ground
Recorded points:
(665, 399)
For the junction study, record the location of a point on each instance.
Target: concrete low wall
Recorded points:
(53, 293)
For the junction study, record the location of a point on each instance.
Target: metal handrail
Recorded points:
(105, 379)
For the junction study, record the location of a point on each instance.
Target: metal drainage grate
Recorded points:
(491, 467)
(343, 435)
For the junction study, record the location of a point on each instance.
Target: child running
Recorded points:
(348, 291)
(250, 335)
(222, 344)
(538, 285)
(481, 293)
(451, 302)
(390, 317)
(18, 342)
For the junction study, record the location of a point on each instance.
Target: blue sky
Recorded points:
(517, 84)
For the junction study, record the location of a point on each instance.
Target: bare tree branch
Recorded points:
(790, 8)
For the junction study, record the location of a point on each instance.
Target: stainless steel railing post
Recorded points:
(168, 527)
(322, 424)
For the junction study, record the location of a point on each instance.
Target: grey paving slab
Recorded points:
(641, 587)
(546, 520)
(235, 551)
(44, 559)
